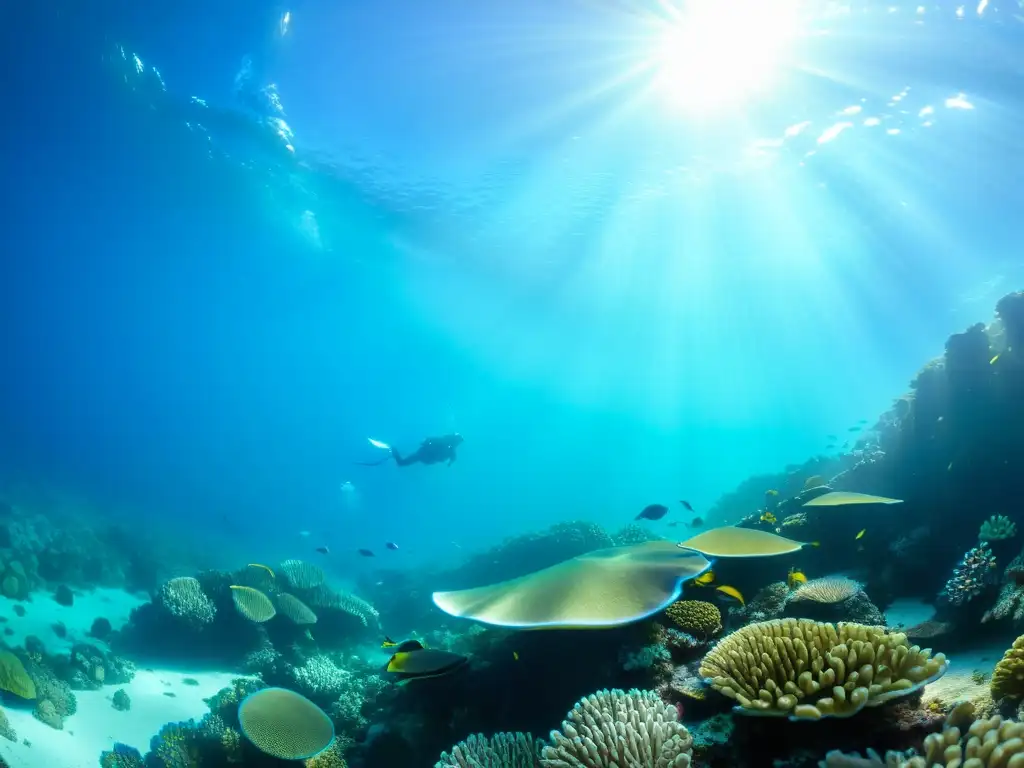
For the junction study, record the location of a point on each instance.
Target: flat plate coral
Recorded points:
(845, 498)
(606, 588)
(730, 541)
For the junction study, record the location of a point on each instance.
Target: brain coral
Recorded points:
(696, 617)
(830, 589)
(184, 599)
(806, 670)
(623, 730)
(1008, 676)
(284, 724)
(503, 750)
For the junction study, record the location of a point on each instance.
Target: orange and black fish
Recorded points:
(652, 512)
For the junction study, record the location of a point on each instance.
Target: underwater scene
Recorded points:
(539, 384)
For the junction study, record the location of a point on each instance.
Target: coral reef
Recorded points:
(803, 669)
(1008, 675)
(997, 528)
(971, 576)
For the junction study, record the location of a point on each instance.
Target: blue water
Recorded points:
(488, 223)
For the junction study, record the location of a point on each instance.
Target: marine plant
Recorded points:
(503, 750)
(617, 728)
(807, 670)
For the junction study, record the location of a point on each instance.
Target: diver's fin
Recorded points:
(372, 463)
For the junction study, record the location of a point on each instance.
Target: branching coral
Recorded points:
(1008, 675)
(806, 670)
(696, 617)
(997, 528)
(185, 599)
(503, 750)
(974, 572)
(625, 730)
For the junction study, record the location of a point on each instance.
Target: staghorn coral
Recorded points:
(987, 743)
(320, 678)
(970, 577)
(829, 589)
(620, 729)
(503, 750)
(1008, 675)
(997, 528)
(186, 601)
(807, 670)
(696, 617)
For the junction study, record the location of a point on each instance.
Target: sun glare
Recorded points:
(718, 53)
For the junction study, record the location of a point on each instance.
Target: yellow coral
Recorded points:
(332, 757)
(807, 670)
(697, 617)
(252, 603)
(1008, 676)
(284, 724)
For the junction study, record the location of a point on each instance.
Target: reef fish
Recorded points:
(697, 522)
(686, 504)
(391, 545)
(652, 512)
(796, 578)
(731, 592)
(411, 661)
(366, 552)
(323, 550)
(708, 577)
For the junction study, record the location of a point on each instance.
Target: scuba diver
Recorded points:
(433, 450)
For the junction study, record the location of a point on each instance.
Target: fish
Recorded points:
(673, 524)
(388, 643)
(652, 512)
(391, 545)
(795, 578)
(411, 661)
(993, 360)
(950, 466)
(830, 447)
(831, 437)
(689, 507)
(366, 552)
(697, 522)
(771, 492)
(515, 655)
(861, 534)
(732, 592)
(768, 517)
(708, 577)
(379, 444)
(323, 550)
(862, 421)
(264, 567)
(853, 429)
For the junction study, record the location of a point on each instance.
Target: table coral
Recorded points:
(806, 670)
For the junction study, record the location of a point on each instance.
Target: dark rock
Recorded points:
(64, 596)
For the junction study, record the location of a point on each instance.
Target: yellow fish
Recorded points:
(993, 360)
(388, 642)
(732, 592)
(795, 578)
(767, 517)
(861, 534)
(265, 568)
(515, 655)
(771, 492)
(708, 577)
